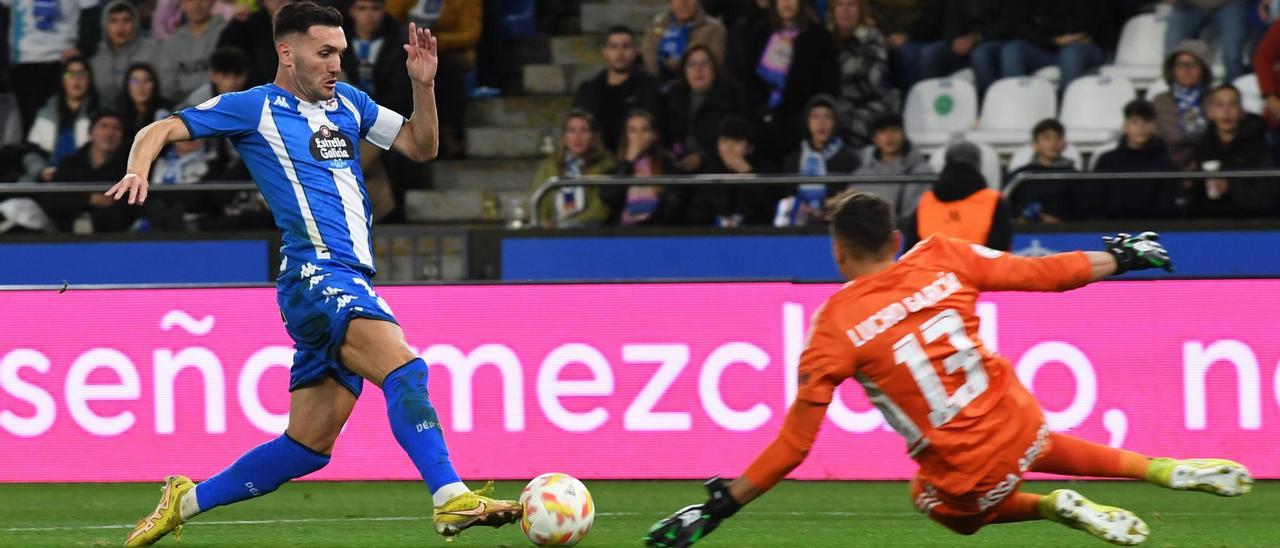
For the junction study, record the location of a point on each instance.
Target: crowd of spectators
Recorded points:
(85, 76)
(815, 87)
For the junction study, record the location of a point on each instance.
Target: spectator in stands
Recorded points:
(729, 204)
(619, 88)
(122, 46)
(972, 32)
(1140, 149)
(865, 91)
(1070, 35)
(43, 35)
(579, 154)
(1266, 64)
(184, 57)
(671, 33)
(694, 107)
(253, 35)
(640, 154)
(167, 15)
(143, 101)
(906, 24)
(1231, 17)
(101, 160)
(776, 85)
(1234, 140)
(821, 153)
(183, 162)
(1180, 116)
(1046, 201)
(228, 72)
(62, 125)
(961, 205)
(374, 60)
(891, 153)
(456, 25)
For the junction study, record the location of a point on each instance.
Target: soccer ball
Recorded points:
(558, 510)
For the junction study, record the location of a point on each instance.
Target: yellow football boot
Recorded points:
(1221, 477)
(475, 508)
(1114, 525)
(165, 518)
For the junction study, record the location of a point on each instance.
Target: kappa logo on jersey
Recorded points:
(281, 102)
(331, 146)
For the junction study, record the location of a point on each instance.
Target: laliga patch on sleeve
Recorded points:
(986, 252)
(209, 103)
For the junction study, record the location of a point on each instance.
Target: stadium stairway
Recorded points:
(507, 136)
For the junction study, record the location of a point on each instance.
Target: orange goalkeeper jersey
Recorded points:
(909, 335)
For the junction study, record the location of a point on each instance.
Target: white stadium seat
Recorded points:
(1026, 154)
(1140, 53)
(1250, 94)
(1156, 88)
(1093, 109)
(990, 164)
(938, 109)
(1051, 73)
(1010, 109)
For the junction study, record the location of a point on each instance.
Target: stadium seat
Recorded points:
(967, 74)
(990, 163)
(1092, 109)
(1250, 95)
(1051, 73)
(1009, 110)
(937, 110)
(1156, 88)
(1140, 54)
(1024, 155)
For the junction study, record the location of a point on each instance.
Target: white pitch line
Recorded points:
(422, 518)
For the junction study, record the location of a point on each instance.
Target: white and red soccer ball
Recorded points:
(558, 510)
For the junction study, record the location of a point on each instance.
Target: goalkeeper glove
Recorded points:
(691, 523)
(1138, 252)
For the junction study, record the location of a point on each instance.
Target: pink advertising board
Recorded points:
(608, 381)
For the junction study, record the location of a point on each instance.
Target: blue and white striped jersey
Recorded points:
(305, 158)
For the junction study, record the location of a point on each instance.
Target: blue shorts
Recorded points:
(318, 299)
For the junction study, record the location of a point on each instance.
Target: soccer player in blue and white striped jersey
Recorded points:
(299, 138)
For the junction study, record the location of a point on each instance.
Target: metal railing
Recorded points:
(697, 180)
(60, 188)
(1133, 177)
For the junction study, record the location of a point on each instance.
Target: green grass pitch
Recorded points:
(795, 514)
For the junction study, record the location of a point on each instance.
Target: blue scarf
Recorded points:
(813, 163)
(1190, 117)
(674, 41)
(65, 144)
(47, 13)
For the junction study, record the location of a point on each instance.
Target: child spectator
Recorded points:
(62, 125)
(1046, 201)
(729, 204)
(683, 26)
(1139, 149)
(821, 153)
(122, 46)
(891, 153)
(694, 107)
(579, 154)
(640, 154)
(618, 89)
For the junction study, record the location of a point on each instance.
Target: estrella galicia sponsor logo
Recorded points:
(328, 145)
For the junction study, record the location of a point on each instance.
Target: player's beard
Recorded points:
(313, 83)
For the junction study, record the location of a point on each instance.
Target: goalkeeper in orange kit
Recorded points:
(907, 332)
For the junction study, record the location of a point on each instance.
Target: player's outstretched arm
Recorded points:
(419, 139)
(1140, 252)
(146, 146)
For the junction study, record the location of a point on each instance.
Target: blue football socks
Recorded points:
(415, 424)
(260, 471)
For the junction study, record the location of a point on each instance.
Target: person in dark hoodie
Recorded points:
(726, 204)
(1234, 140)
(961, 205)
(1046, 201)
(622, 86)
(694, 106)
(821, 153)
(1180, 111)
(1139, 150)
(122, 45)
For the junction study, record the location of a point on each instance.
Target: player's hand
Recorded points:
(689, 524)
(132, 184)
(423, 58)
(1138, 252)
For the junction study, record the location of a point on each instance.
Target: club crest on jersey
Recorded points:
(330, 146)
